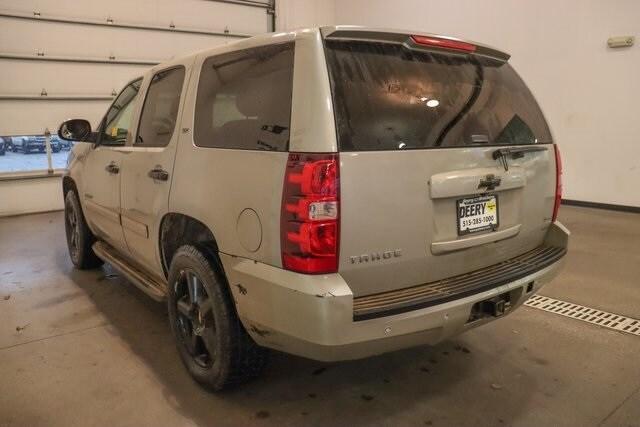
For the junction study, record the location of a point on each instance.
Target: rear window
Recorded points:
(389, 97)
(244, 99)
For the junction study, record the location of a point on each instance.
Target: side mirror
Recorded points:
(76, 130)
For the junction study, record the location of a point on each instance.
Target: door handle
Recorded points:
(159, 174)
(112, 168)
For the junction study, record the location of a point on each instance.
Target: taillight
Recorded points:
(556, 205)
(444, 43)
(309, 224)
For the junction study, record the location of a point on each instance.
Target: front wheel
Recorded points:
(213, 345)
(79, 236)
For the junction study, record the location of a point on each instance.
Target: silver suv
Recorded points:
(333, 193)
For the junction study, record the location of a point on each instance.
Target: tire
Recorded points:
(211, 341)
(79, 237)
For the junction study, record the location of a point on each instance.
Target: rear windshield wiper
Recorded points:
(515, 153)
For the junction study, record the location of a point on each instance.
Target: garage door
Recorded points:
(68, 58)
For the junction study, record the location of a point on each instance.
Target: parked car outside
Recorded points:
(24, 144)
(37, 143)
(4, 141)
(16, 142)
(333, 193)
(8, 143)
(60, 144)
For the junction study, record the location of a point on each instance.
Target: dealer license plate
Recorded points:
(477, 214)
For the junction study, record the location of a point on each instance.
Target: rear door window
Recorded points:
(160, 109)
(244, 99)
(389, 97)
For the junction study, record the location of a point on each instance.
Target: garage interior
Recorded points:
(89, 348)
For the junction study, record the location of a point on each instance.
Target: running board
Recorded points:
(147, 284)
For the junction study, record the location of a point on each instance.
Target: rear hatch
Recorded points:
(446, 160)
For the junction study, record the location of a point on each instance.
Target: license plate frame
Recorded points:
(483, 198)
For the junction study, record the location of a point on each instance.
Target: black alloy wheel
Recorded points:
(195, 323)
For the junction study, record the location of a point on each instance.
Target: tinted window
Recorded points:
(244, 99)
(117, 122)
(160, 110)
(389, 97)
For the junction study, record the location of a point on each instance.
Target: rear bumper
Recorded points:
(313, 316)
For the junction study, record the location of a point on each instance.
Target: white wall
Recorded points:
(292, 14)
(589, 93)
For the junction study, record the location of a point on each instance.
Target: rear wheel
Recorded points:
(79, 237)
(212, 342)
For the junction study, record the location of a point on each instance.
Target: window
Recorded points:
(160, 110)
(244, 99)
(22, 153)
(389, 97)
(118, 119)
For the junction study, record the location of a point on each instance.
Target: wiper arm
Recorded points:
(515, 153)
(475, 94)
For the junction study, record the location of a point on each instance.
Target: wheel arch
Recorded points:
(178, 229)
(68, 184)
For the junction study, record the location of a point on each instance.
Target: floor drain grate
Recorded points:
(586, 314)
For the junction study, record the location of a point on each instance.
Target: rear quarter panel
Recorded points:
(216, 185)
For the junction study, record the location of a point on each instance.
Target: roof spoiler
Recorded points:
(414, 41)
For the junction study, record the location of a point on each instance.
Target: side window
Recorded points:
(117, 122)
(160, 109)
(244, 99)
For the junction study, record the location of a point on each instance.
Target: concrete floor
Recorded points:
(87, 348)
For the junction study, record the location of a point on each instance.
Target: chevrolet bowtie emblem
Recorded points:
(490, 182)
